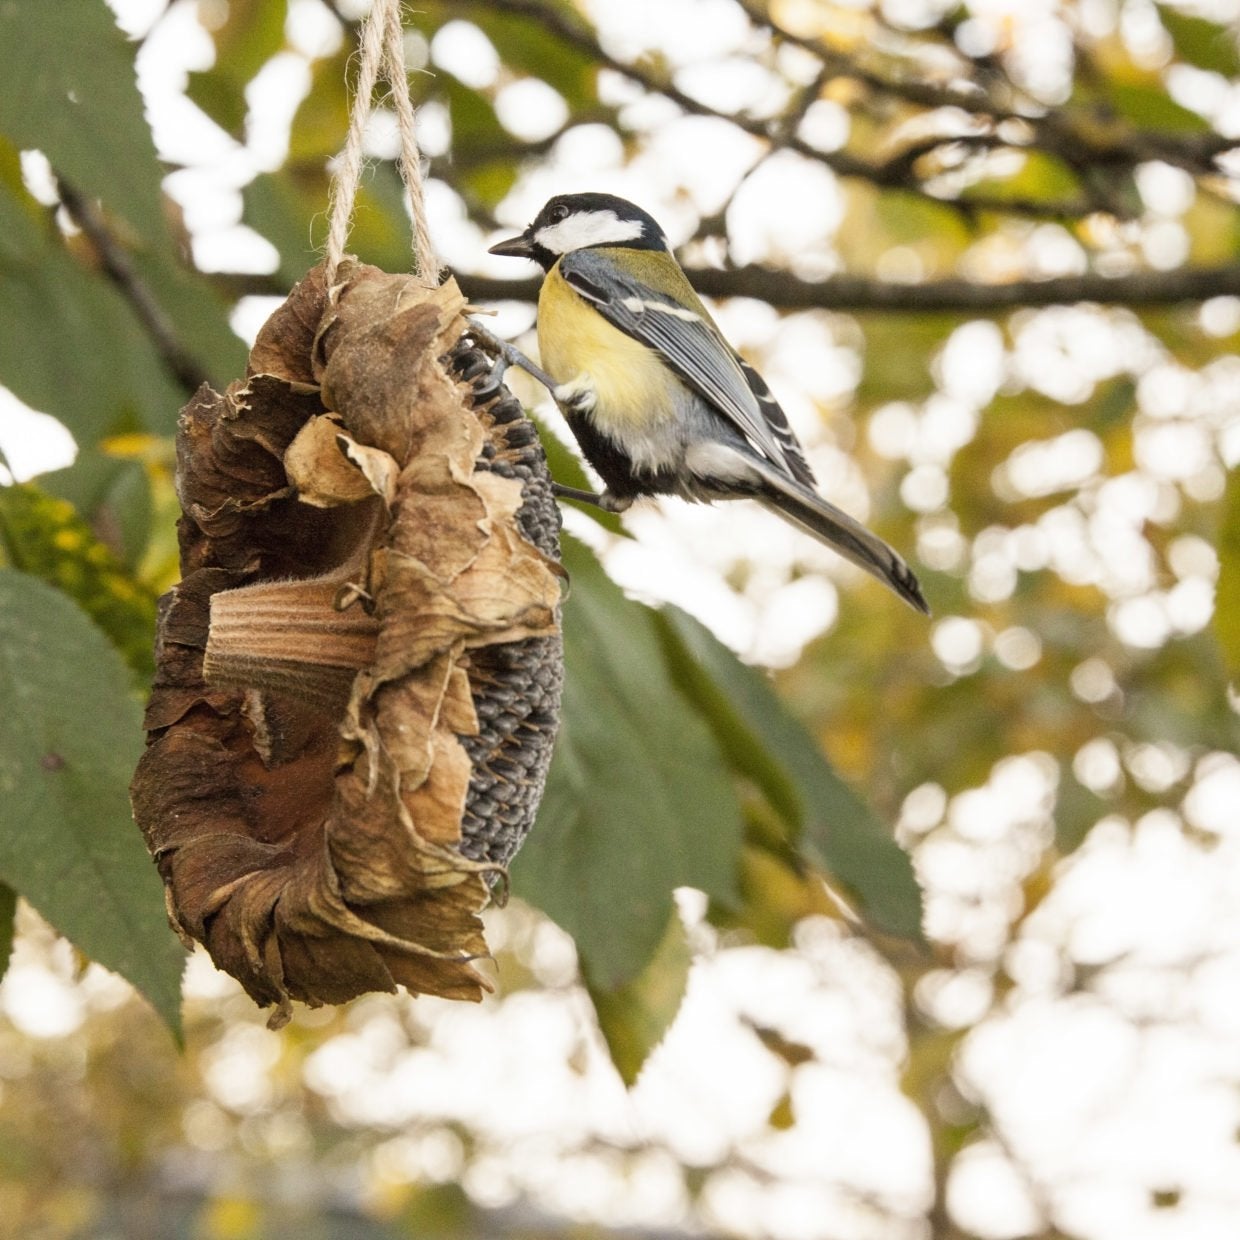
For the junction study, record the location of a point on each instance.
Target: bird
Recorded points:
(658, 400)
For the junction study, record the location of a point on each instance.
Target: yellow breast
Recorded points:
(580, 348)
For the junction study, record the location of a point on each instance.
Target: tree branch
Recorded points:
(889, 174)
(925, 94)
(859, 293)
(119, 268)
(1120, 148)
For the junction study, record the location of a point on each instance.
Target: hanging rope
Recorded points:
(382, 51)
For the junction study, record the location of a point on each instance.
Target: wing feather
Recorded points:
(693, 348)
(777, 419)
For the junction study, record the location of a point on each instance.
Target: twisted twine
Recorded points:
(382, 51)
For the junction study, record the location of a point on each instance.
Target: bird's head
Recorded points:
(574, 221)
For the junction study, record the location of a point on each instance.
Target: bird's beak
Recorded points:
(515, 247)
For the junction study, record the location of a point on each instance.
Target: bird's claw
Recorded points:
(506, 355)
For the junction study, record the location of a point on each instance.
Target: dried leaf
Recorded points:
(324, 473)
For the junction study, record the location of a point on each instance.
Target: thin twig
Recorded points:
(891, 173)
(1119, 149)
(576, 35)
(119, 268)
(924, 94)
(786, 291)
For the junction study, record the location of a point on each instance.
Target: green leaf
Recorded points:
(1151, 107)
(638, 801)
(634, 1017)
(8, 925)
(438, 1211)
(199, 315)
(287, 209)
(833, 827)
(71, 345)
(1112, 405)
(527, 45)
(276, 205)
(906, 220)
(489, 183)
(1202, 43)
(1077, 811)
(251, 33)
(530, 47)
(322, 118)
(1227, 601)
(70, 734)
(1040, 178)
(896, 351)
(67, 88)
(476, 131)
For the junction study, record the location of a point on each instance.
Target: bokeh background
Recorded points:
(988, 258)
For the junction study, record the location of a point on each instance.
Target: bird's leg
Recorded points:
(606, 501)
(506, 355)
(572, 399)
(560, 491)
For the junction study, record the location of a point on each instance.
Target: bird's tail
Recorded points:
(841, 533)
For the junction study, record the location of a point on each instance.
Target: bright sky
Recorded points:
(1099, 1093)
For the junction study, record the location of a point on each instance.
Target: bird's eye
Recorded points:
(559, 213)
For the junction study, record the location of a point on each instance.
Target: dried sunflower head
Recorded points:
(359, 673)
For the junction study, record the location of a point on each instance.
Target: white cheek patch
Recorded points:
(587, 228)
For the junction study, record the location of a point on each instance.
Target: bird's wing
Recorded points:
(693, 348)
(777, 420)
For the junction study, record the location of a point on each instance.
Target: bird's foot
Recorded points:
(507, 354)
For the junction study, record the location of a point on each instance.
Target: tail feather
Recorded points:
(842, 533)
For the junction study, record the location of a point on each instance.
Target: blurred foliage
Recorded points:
(46, 537)
(1070, 517)
(1227, 604)
(69, 737)
(620, 826)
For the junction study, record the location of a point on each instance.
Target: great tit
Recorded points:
(659, 401)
